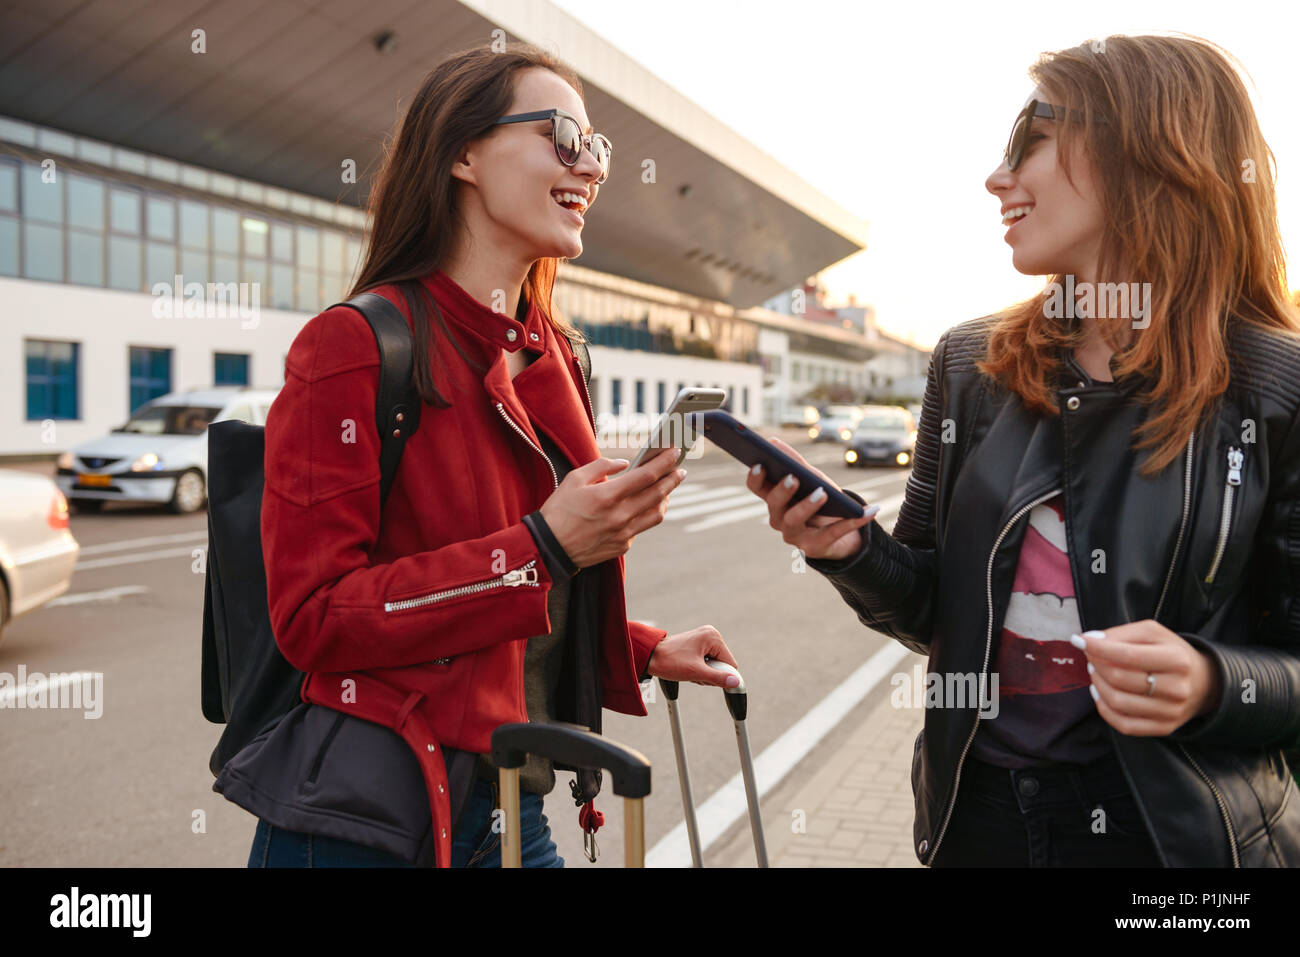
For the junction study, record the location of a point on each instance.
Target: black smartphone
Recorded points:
(739, 441)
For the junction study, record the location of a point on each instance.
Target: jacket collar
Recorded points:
(494, 329)
(1073, 376)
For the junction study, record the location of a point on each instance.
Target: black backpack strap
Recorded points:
(397, 405)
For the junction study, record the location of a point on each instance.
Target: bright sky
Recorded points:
(899, 112)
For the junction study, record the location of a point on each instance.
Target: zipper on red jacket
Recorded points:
(523, 435)
(524, 575)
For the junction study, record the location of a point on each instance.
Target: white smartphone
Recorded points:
(678, 426)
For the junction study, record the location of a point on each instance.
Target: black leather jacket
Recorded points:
(1216, 792)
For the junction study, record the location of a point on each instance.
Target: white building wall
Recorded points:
(106, 323)
(628, 365)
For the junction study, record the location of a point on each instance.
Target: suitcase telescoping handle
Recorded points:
(578, 747)
(738, 704)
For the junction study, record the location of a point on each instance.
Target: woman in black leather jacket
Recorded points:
(1107, 480)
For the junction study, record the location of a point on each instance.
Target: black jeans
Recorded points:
(1064, 816)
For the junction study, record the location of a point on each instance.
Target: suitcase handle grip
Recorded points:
(574, 745)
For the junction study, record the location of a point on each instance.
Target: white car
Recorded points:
(37, 551)
(161, 454)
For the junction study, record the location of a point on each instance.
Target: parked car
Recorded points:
(836, 424)
(161, 454)
(886, 434)
(37, 550)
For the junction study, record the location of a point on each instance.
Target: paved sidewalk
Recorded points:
(857, 807)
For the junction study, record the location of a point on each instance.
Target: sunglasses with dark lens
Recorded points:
(568, 138)
(1019, 139)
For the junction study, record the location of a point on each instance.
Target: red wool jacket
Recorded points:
(433, 600)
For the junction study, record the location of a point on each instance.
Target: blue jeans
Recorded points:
(474, 844)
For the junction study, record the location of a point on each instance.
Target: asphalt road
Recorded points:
(133, 786)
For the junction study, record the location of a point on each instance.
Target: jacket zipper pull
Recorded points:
(520, 576)
(1236, 458)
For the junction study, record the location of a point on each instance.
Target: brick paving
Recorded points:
(857, 806)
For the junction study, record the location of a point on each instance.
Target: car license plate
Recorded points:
(99, 480)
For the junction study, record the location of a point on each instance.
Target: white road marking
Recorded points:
(690, 495)
(727, 805)
(760, 510)
(141, 542)
(137, 557)
(108, 594)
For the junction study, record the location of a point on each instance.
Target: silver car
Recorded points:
(161, 454)
(37, 550)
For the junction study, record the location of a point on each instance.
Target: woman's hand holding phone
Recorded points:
(817, 536)
(595, 517)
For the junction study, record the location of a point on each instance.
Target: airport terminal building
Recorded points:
(129, 157)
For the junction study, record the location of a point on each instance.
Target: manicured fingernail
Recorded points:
(1093, 690)
(1091, 669)
(868, 512)
(818, 495)
(789, 481)
(757, 469)
(1094, 634)
(732, 681)
(681, 473)
(1078, 642)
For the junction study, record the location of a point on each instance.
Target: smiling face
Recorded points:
(1062, 231)
(512, 180)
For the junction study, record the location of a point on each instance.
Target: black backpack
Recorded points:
(247, 684)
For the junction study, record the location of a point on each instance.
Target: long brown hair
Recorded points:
(413, 208)
(1186, 188)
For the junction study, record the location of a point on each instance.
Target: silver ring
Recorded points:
(1151, 684)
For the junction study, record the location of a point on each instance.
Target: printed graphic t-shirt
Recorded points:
(1045, 713)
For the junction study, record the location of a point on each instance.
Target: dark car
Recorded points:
(885, 434)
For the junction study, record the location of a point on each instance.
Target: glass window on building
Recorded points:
(8, 223)
(308, 295)
(281, 286)
(42, 251)
(85, 257)
(640, 395)
(150, 374)
(744, 400)
(333, 265)
(8, 187)
(160, 218)
(282, 242)
(616, 395)
(42, 201)
(8, 245)
(225, 231)
(125, 249)
(159, 264)
(195, 220)
(229, 368)
(51, 379)
(662, 396)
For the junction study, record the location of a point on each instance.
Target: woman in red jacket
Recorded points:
(489, 586)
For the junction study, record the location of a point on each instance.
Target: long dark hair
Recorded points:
(412, 205)
(1179, 209)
